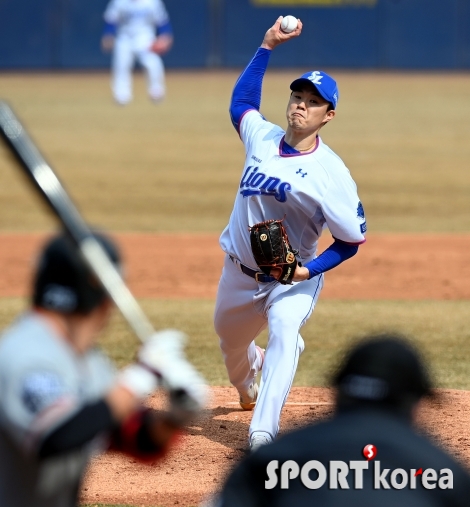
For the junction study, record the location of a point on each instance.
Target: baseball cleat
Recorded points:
(248, 399)
(157, 98)
(258, 439)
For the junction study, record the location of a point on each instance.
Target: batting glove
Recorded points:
(161, 362)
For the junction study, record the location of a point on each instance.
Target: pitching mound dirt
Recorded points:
(213, 445)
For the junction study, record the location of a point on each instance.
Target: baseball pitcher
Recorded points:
(292, 187)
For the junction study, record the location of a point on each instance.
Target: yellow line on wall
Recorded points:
(316, 3)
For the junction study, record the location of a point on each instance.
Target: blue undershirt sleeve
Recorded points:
(109, 29)
(247, 91)
(165, 29)
(334, 255)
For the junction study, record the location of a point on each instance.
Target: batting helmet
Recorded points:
(63, 282)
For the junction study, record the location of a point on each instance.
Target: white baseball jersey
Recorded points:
(137, 19)
(312, 190)
(42, 382)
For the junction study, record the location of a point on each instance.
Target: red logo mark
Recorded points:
(369, 451)
(419, 472)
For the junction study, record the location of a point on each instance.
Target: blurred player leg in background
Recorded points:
(153, 64)
(122, 64)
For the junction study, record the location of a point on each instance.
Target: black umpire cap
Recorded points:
(382, 369)
(63, 282)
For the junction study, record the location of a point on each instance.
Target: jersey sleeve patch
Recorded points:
(360, 211)
(41, 389)
(362, 216)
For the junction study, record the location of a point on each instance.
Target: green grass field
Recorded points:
(439, 329)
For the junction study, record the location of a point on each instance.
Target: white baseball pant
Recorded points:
(243, 309)
(124, 56)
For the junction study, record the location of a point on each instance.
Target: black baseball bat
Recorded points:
(52, 190)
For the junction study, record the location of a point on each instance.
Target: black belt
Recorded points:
(259, 276)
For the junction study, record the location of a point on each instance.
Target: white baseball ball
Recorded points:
(288, 24)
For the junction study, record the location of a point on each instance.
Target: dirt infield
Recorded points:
(217, 441)
(389, 266)
(397, 266)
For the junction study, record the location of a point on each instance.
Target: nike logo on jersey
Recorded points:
(258, 183)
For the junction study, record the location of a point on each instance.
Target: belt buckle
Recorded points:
(256, 276)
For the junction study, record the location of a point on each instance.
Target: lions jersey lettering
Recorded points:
(258, 183)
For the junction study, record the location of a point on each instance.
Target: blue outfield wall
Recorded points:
(363, 34)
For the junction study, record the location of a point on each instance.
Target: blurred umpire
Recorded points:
(378, 388)
(60, 399)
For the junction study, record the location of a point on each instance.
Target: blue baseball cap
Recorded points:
(325, 85)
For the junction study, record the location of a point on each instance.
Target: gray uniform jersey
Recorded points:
(42, 382)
